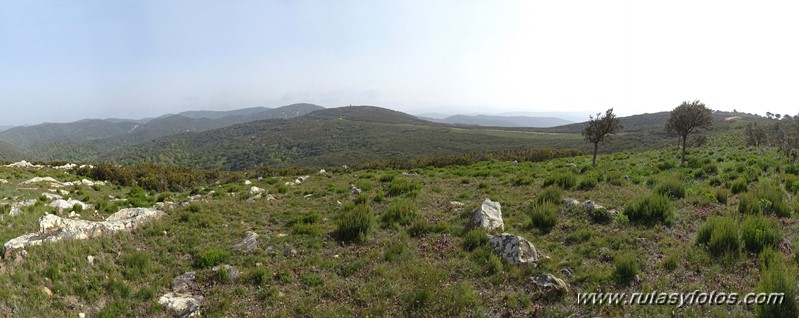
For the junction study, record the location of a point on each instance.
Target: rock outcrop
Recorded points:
(549, 284)
(513, 249)
(68, 204)
(249, 243)
(180, 299)
(54, 228)
(487, 217)
(50, 180)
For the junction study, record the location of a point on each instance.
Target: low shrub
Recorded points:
(588, 182)
(671, 188)
(601, 215)
(738, 186)
(565, 180)
(649, 210)
(550, 194)
(625, 268)
(403, 211)
(544, 216)
(474, 239)
(423, 228)
(212, 257)
(354, 222)
(720, 236)
(722, 195)
(757, 233)
(778, 277)
(399, 186)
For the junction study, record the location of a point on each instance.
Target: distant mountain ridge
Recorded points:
(59, 141)
(495, 120)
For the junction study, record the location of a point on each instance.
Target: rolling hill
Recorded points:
(504, 121)
(329, 137)
(86, 139)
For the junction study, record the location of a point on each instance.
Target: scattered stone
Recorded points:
(250, 242)
(457, 204)
(566, 272)
(322, 171)
(63, 192)
(185, 305)
(301, 179)
(627, 178)
(68, 204)
(54, 228)
(247, 182)
(513, 249)
(52, 181)
(15, 211)
(548, 284)
(52, 196)
(515, 163)
(24, 203)
(256, 190)
(81, 315)
(591, 205)
(307, 196)
(66, 166)
(355, 189)
(409, 174)
(345, 167)
(233, 272)
(270, 197)
(253, 198)
(183, 283)
(23, 164)
(569, 202)
(3, 181)
(74, 215)
(488, 216)
(47, 292)
(572, 165)
(90, 259)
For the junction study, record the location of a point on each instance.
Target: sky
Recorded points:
(62, 61)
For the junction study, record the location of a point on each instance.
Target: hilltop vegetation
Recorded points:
(409, 251)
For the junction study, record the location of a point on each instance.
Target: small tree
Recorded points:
(688, 117)
(600, 128)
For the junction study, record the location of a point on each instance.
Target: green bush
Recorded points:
(259, 276)
(720, 236)
(672, 188)
(649, 210)
(397, 250)
(738, 186)
(565, 180)
(778, 277)
(423, 228)
(400, 186)
(588, 182)
(544, 216)
(354, 222)
(750, 205)
(212, 257)
(135, 265)
(722, 195)
(474, 239)
(625, 268)
(601, 215)
(757, 233)
(550, 194)
(403, 211)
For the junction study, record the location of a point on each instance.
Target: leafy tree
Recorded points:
(688, 117)
(600, 128)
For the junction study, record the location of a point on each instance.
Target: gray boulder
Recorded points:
(549, 284)
(232, 272)
(250, 242)
(591, 205)
(488, 216)
(569, 202)
(54, 228)
(514, 249)
(180, 300)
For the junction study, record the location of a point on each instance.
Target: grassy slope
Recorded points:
(302, 270)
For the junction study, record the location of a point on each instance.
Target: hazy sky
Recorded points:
(67, 60)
